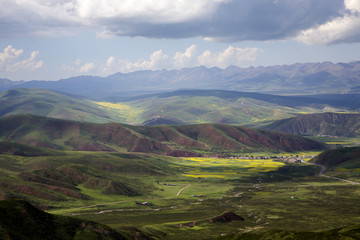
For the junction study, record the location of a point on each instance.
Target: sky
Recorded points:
(56, 39)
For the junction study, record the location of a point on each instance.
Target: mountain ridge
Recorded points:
(299, 78)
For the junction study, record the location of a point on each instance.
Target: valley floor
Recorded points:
(293, 198)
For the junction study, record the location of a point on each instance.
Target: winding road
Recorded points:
(178, 193)
(323, 168)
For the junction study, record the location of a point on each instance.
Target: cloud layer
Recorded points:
(309, 21)
(159, 60)
(345, 28)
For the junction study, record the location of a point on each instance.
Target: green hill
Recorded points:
(53, 104)
(21, 220)
(179, 107)
(183, 140)
(322, 124)
(345, 158)
(228, 107)
(46, 176)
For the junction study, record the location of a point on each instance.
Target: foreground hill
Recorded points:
(183, 140)
(309, 78)
(322, 124)
(346, 158)
(21, 220)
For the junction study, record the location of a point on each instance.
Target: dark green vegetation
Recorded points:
(184, 140)
(53, 104)
(322, 124)
(21, 221)
(334, 158)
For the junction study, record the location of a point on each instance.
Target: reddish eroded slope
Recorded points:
(184, 140)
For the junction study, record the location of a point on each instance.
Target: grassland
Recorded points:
(266, 193)
(183, 195)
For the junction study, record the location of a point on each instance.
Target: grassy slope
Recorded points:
(328, 124)
(49, 177)
(344, 157)
(229, 107)
(185, 107)
(185, 140)
(20, 220)
(53, 104)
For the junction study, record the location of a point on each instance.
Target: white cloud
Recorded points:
(87, 67)
(185, 59)
(231, 56)
(340, 29)
(80, 68)
(159, 60)
(11, 60)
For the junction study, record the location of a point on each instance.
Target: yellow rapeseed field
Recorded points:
(128, 113)
(202, 167)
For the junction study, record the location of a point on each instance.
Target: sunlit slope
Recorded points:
(228, 107)
(53, 104)
(177, 140)
(324, 124)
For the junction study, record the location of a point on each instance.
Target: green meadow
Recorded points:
(267, 193)
(166, 197)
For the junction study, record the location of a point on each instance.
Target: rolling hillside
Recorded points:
(46, 176)
(323, 124)
(53, 104)
(179, 107)
(228, 107)
(184, 140)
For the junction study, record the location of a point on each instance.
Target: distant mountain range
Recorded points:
(321, 124)
(307, 78)
(182, 140)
